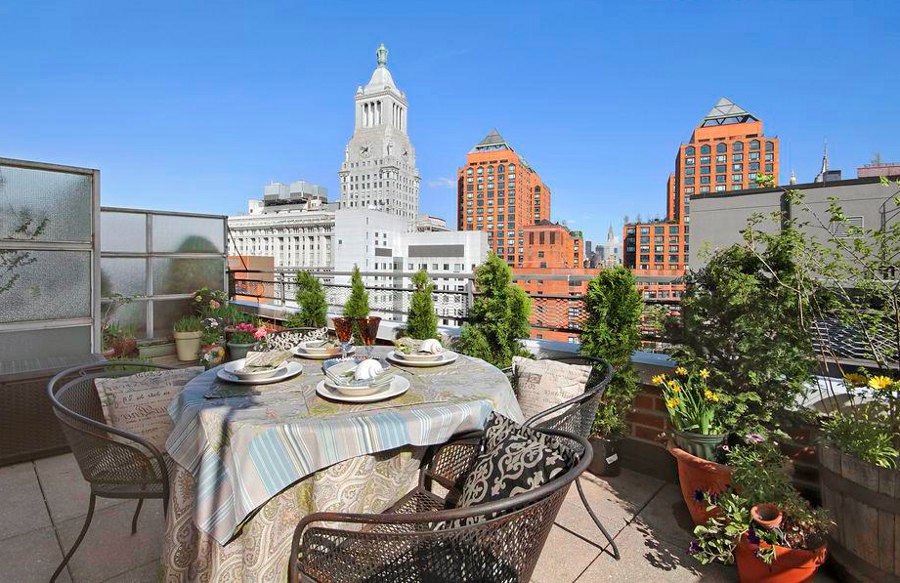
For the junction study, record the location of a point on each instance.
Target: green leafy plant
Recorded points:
(357, 305)
(498, 319)
(611, 332)
(422, 321)
(758, 477)
(207, 301)
(189, 324)
(247, 333)
(742, 318)
(311, 299)
(865, 430)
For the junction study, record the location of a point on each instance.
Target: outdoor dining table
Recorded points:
(251, 460)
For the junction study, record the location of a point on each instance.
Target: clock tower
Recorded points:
(379, 169)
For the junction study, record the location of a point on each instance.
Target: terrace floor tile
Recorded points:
(22, 507)
(31, 557)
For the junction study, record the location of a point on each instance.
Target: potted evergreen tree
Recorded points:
(422, 321)
(611, 332)
(357, 305)
(313, 304)
(498, 320)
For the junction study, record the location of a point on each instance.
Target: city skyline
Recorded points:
(230, 101)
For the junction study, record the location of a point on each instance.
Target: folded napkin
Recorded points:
(268, 359)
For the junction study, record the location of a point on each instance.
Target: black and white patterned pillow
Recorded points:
(288, 339)
(514, 460)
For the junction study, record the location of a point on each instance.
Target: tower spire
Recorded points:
(824, 170)
(381, 55)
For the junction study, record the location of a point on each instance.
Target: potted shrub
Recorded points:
(612, 332)
(421, 323)
(357, 304)
(701, 418)
(312, 301)
(119, 341)
(498, 320)
(188, 332)
(762, 523)
(243, 338)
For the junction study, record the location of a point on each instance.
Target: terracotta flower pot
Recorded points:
(697, 476)
(767, 516)
(789, 566)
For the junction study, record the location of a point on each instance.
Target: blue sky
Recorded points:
(197, 105)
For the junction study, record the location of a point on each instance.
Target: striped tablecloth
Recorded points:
(244, 449)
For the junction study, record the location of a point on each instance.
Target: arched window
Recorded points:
(738, 146)
(512, 167)
(770, 147)
(690, 151)
(501, 169)
(468, 171)
(754, 144)
(721, 148)
(480, 171)
(705, 149)
(490, 169)
(537, 188)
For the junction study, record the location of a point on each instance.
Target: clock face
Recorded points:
(365, 150)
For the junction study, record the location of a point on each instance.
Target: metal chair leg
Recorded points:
(137, 513)
(587, 506)
(84, 529)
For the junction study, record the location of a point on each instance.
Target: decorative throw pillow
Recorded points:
(138, 403)
(543, 384)
(514, 460)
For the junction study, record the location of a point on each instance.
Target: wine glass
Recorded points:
(343, 327)
(368, 330)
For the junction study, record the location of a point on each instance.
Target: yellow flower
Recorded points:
(672, 403)
(658, 379)
(675, 388)
(856, 379)
(704, 373)
(681, 371)
(711, 396)
(880, 382)
(673, 385)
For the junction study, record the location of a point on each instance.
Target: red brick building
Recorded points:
(500, 193)
(727, 151)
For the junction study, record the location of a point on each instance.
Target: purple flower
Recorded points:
(755, 437)
(694, 547)
(698, 495)
(752, 537)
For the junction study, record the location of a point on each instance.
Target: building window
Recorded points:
(720, 178)
(721, 148)
(737, 167)
(468, 171)
(658, 258)
(689, 190)
(721, 158)
(704, 159)
(702, 189)
(754, 165)
(704, 170)
(769, 167)
(704, 180)
(754, 155)
(770, 147)
(737, 158)
(705, 149)
(752, 177)
(689, 180)
(736, 177)
(645, 259)
(736, 187)
(721, 168)
(688, 161)
(645, 230)
(689, 171)
(770, 157)
(690, 151)
(720, 188)
(737, 147)
(754, 144)
(645, 238)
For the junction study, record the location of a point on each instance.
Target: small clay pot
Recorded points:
(767, 516)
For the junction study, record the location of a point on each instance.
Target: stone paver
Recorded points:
(43, 505)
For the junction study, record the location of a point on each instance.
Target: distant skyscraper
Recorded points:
(499, 193)
(727, 151)
(379, 170)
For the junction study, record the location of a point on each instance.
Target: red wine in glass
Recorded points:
(368, 330)
(343, 327)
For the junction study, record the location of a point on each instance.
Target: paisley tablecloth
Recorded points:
(243, 453)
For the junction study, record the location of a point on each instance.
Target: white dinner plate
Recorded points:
(290, 369)
(298, 351)
(448, 356)
(397, 387)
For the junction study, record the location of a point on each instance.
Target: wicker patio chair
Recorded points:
(116, 463)
(577, 416)
(289, 338)
(424, 537)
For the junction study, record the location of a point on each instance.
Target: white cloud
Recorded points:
(442, 182)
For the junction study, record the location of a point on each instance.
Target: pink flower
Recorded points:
(260, 332)
(245, 327)
(214, 304)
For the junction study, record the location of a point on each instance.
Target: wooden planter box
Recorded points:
(864, 501)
